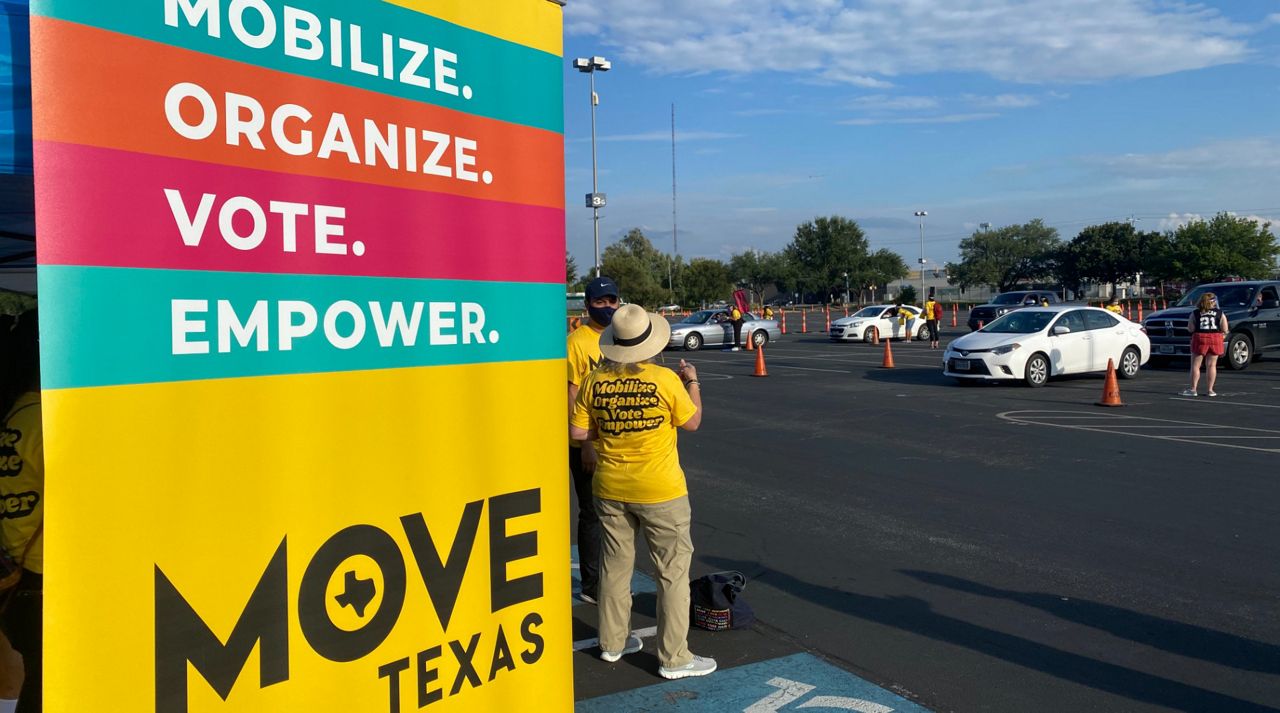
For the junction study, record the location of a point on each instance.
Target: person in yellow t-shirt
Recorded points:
(632, 407)
(22, 493)
(931, 322)
(583, 349)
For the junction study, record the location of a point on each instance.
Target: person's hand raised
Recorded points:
(688, 372)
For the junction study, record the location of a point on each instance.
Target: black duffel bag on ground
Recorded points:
(716, 602)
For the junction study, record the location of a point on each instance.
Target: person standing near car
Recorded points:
(735, 318)
(904, 320)
(632, 408)
(932, 315)
(1113, 306)
(584, 356)
(1207, 325)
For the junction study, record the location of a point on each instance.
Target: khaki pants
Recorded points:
(666, 530)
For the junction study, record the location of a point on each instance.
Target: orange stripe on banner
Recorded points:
(104, 89)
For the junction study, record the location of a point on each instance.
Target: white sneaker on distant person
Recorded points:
(1189, 392)
(699, 666)
(736, 349)
(633, 645)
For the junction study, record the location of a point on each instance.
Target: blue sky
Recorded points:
(1000, 111)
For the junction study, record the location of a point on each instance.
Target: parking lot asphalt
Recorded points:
(980, 548)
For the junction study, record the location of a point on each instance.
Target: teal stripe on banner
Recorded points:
(123, 326)
(509, 81)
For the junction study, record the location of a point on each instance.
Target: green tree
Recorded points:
(1006, 257)
(570, 273)
(877, 270)
(824, 249)
(639, 269)
(757, 270)
(1111, 252)
(1226, 246)
(705, 280)
(907, 295)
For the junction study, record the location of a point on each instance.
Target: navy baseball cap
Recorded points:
(601, 287)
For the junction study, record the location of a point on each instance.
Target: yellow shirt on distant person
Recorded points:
(584, 356)
(928, 310)
(22, 481)
(635, 417)
(1115, 308)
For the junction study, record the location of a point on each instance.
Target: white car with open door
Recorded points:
(880, 321)
(1036, 343)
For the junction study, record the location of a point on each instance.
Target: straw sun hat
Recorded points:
(634, 335)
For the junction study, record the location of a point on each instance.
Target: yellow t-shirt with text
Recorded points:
(584, 356)
(635, 417)
(22, 481)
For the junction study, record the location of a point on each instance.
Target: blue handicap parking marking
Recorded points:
(792, 683)
(640, 582)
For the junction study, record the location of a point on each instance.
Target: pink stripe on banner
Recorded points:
(106, 207)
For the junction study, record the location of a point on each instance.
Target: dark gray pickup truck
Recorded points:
(1253, 313)
(1008, 302)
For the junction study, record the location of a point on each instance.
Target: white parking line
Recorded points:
(1120, 425)
(1214, 400)
(645, 633)
(809, 368)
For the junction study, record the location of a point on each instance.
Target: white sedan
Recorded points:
(1035, 343)
(882, 320)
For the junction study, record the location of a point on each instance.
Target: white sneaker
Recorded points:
(737, 349)
(1213, 393)
(634, 644)
(699, 666)
(1189, 392)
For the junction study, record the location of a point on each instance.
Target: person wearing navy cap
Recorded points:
(584, 355)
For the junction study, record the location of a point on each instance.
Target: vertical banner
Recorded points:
(301, 281)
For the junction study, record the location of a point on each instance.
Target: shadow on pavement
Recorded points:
(914, 615)
(1172, 636)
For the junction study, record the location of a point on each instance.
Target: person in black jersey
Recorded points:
(1207, 324)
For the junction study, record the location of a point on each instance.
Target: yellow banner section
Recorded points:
(532, 23)
(424, 558)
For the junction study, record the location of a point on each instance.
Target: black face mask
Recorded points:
(601, 315)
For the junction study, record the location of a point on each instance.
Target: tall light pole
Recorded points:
(921, 215)
(595, 199)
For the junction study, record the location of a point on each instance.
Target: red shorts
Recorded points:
(1206, 343)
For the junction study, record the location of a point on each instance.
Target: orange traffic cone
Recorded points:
(955, 312)
(846, 310)
(760, 370)
(1111, 388)
(875, 335)
(783, 321)
(804, 323)
(828, 319)
(1139, 310)
(888, 356)
(751, 342)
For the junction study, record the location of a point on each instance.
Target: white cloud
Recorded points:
(943, 119)
(1236, 156)
(666, 136)
(1003, 101)
(885, 102)
(869, 42)
(1173, 221)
